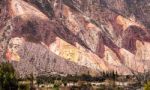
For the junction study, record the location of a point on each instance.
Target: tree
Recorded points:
(8, 80)
(31, 79)
(147, 86)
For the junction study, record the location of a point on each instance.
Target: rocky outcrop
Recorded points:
(69, 36)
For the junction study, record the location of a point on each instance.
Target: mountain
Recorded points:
(75, 36)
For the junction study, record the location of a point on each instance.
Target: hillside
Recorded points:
(75, 36)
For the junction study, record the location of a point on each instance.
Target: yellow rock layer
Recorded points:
(15, 56)
(125, 23)
(68, 51)
(77, 54)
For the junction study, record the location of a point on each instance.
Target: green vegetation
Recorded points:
(78, 81)
(31, 79)
(110, 75)
(147, 86)
(106, 81)
(57, 84)
(8, 80)
(47, 79)
(23, 86)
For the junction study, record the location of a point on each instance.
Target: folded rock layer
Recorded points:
(75, 36)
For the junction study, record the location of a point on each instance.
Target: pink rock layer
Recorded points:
(97, 38)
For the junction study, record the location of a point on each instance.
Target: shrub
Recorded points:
(110, 75)
(8, 80)
(57, 84)
(147, 86)
(24, 87)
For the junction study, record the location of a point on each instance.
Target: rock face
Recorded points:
(75, 36)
